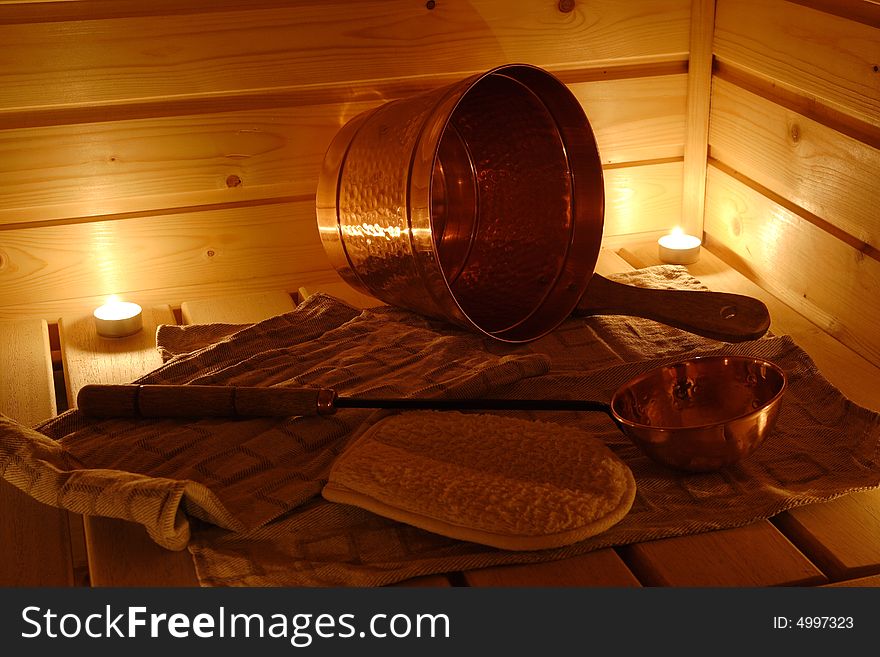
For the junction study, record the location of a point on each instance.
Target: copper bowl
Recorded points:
(702, 414)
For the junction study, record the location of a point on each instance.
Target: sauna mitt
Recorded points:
(499, 481)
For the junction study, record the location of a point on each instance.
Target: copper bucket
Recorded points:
(481, 203)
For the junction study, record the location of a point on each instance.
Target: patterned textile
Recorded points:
(243, 496)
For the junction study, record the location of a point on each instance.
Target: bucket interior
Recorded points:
(502, 213)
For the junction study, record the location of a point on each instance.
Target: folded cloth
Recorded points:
(244, 496)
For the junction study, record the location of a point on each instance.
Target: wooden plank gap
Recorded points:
(794, 100)
(641, 163)
(677, 65)
(157, 211)
(868, 250)
(618, 243)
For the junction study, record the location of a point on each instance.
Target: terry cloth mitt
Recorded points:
(499, 481)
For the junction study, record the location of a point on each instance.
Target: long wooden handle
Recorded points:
(132, 400)
(717, 315)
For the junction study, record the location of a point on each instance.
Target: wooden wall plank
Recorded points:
(828, 58)
(93, 169)
(90, 170)
(642, 198)
(100, 61)
(777, 248)
(636, 119)
(148, 253)
(209, 252)
(815, 167)
(41, 11)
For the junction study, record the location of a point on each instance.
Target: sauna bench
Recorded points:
(835, 543)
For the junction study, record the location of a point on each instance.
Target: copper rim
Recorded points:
(481, 203)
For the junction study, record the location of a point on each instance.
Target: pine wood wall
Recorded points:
(793, 190)
(170, 149)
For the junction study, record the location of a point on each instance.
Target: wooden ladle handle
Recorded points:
(156, 400)
(717, 315)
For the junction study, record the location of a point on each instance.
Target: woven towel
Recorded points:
(244, 496)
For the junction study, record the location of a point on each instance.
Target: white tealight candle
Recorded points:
(679, 248)
(118, 319)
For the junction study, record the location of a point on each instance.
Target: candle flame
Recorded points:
(116, 309)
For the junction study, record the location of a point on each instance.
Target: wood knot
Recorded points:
(565, 6)
(233, 181)
(795, 132)
(736, 226)
(430, 4)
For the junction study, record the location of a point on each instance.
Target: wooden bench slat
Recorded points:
(90, 358)
(428, 581)
(872, 581)
(27, 386)
(341, 290)
(599, 568)
(35, 537)
(241, 309)
(35, 540)
(122, 554)
(754, 555)
(841, 536)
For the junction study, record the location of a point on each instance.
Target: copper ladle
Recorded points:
(697, 415)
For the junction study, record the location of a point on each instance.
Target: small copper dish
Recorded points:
(702, 414)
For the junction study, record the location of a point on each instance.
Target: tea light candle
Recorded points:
(679, 248)
(118, 319)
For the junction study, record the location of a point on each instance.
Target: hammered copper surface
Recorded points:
(701, 414)
(481, 202)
